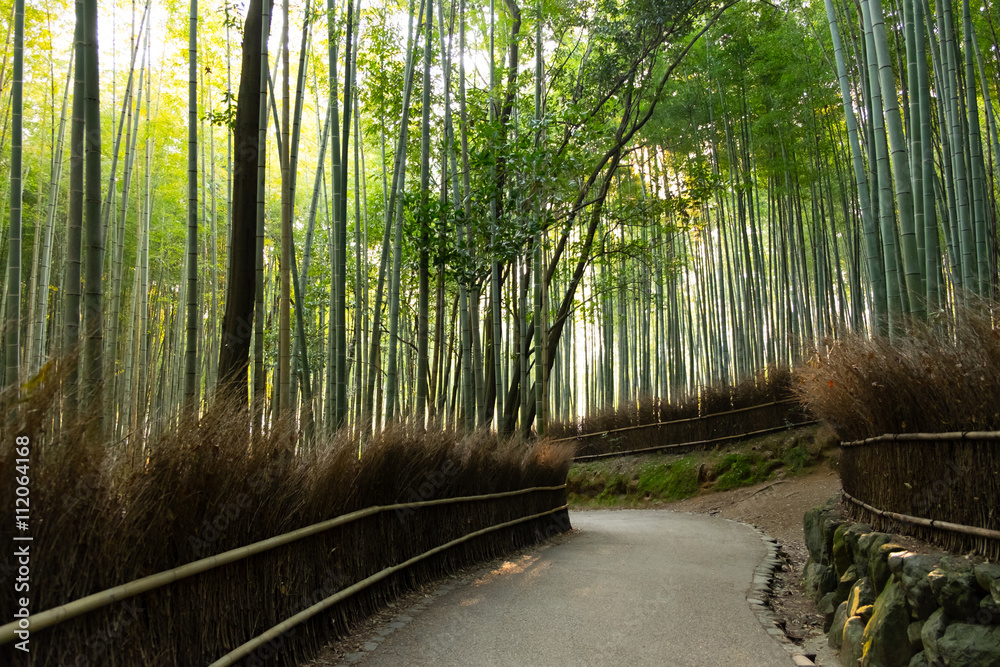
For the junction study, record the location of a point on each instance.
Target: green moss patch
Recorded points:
(640, 481)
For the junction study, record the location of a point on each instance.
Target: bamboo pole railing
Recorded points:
(57, 615)
(926, 437)
(675, 421)
(693, 443)
(304, 615)
(975, 531)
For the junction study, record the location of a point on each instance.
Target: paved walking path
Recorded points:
(633, 587)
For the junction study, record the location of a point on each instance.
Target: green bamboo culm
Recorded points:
(913, 272)
(341, 232)
(423, 262)
(883, 194)
(876, 269)
(932, 250)
(191, 345)
(394, 213)
(915, 154)
(285, 248)
(258, 364)
(538, 273)
(93, 293)
(74, 231)
(976, 157)
(38, 347)
(11, 325)
(966, 238)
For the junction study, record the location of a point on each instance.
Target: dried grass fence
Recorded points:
(940, 487)
(715, 414)
(98, 519)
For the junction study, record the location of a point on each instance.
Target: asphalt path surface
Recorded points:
(631, 587)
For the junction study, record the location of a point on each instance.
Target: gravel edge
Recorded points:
(760, 592)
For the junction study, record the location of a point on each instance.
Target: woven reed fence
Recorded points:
(691, 432)
(362, 559)
(940, 487)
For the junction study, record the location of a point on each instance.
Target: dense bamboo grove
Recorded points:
(479, 214)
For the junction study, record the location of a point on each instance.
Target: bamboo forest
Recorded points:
(478, 215)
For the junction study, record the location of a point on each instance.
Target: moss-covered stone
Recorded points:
(919, 660)
(862, 594)
(846, 583)
(828, 607)
(878, 560)
(853, 645)
(912, 572)
(851, 537)
(970, 645)
(866, 612)
(835, 635)
(819, 525)
(989, 612)
(841, 557)
(931, 633)
(818, 580)
(954, 585)
(913, 634)
(886, 643)
(988, 577)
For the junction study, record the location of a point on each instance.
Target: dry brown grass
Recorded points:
(102, 516)
(939, 377)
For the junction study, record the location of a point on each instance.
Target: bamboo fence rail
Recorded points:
(690, 431)
(929, 523)
(940, 487)
(288, 624)
(125, 591)
(691, 445)
(674, 421)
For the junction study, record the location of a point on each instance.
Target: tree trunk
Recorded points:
(237, 321)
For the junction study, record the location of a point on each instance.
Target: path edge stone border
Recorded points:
(760, 591)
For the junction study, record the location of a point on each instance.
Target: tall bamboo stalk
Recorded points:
(12, 323)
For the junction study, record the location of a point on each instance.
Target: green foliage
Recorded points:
(672, 481)
(736, 470)
(615, 487)
(796, 458)
(226, 115)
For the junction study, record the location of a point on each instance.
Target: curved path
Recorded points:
(632, 587)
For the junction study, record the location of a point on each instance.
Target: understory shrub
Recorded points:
(797, 458)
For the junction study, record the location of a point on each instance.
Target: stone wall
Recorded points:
(885, 606)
